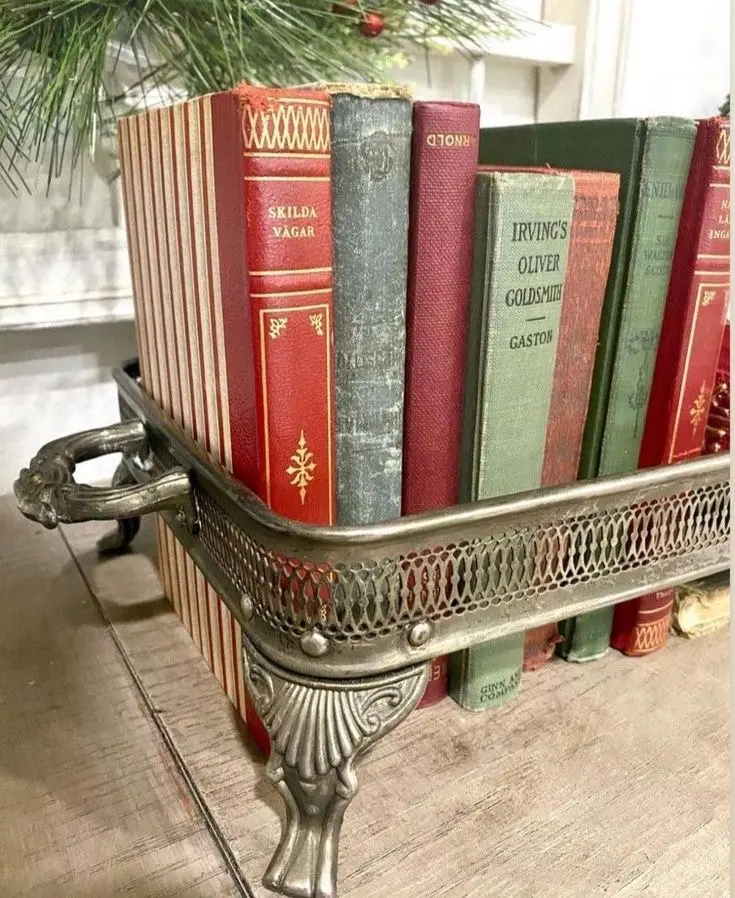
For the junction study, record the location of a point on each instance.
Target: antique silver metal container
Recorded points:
(338, 636)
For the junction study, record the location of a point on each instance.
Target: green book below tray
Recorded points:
(515, 307)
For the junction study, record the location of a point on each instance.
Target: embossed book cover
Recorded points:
(652, 157)
(441, 223)
(371, 148)
(522, 231)
(683, 379)
(228, 212)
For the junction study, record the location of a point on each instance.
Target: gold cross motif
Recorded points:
(302, 469)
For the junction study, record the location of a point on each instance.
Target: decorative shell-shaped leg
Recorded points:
(318, 728)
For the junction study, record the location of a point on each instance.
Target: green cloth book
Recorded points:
(522, 230)
(652, 157)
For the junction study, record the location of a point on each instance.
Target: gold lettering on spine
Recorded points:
(450, 141)
(302, 469)
(317, 322)
(219, 328)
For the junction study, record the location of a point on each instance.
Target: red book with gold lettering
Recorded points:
(441, 223)
(691, 334)
(228, 212)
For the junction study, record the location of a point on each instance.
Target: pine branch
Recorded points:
(70, 68)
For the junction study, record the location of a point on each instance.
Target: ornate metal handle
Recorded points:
(47, 493)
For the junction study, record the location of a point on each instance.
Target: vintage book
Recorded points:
(228, 212)
(588, 264)
(522, 230)
(652, 157)
(702, 607)
(371, 151)
(717, 433)
(689, 346)
(441, 223)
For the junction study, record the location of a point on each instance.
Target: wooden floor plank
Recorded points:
(91, 805)
(604, 779)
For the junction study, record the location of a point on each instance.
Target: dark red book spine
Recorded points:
(691, 335)
(443, 166)
(717, 433)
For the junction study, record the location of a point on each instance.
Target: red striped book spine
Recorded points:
(691, 334)
(228, 212)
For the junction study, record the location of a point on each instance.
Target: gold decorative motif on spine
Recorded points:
(708, 296)
(302, 469)
(284, 126)
(276, 326)
(699, 407)
(723, 147)
(317, 322)
(651, 636)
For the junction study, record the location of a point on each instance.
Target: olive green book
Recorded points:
(522, 229)
(652, 157)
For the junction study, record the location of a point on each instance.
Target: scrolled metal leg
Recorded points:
(318, 728)
(119, 540)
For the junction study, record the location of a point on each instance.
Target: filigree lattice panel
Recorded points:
(362, 600)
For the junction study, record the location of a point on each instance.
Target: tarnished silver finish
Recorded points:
(314, 644)
(127, 528)
(246, 606)
(420, 633)
(341, 623)
(47, 492)
(318, 728)
(474, 572)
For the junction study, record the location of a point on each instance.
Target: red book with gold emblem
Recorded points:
(691, 334)
(228, 212)
(717, 434)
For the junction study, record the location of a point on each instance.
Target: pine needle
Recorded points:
(70, 68)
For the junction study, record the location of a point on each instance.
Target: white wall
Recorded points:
(677, 59)
(657, 57)
(54, 382)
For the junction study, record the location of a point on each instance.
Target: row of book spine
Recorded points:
(333, 290)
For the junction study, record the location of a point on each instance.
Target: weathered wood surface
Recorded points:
(91, 804)
(605, 779)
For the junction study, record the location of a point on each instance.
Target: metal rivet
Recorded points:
(246, 606)
(314, 644)
(420, 633)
